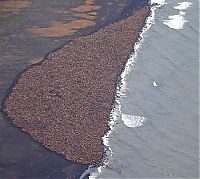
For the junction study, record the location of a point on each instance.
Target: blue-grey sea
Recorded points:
(156, 133)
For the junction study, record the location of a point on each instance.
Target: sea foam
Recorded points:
(133, 121)
(177, 21)
(183, 5)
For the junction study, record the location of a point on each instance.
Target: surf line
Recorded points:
(116, 112)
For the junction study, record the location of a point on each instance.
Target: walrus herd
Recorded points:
(65, 102)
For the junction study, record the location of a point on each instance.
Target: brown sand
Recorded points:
(12, 7)
(83, 16)
(64, 103)
(61, 28)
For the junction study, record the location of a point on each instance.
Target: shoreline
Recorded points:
(4, 107)
(120, 92)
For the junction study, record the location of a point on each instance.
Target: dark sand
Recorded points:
(64, 102)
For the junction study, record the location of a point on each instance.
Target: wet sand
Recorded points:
(64, 102)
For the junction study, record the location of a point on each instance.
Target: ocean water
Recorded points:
(155, 118)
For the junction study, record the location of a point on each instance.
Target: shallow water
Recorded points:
(163, 87)
(28, 31)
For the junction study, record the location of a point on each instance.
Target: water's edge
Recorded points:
(14, 82)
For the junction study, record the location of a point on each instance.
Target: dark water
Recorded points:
(28, 31)
(166, 145)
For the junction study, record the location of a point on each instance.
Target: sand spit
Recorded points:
(64, 102)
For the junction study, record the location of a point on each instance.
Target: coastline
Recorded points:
(134, 151)
(8, 110)
(116, 113)
(22, 49)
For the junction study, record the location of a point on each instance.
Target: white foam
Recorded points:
(182, 13)
(159, 2)
(88, 171)
(121, 92)
(155, 84)
(114, 116)
(176, 21)
(183, 5)
(133, 121)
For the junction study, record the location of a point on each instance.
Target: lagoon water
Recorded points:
(156, 129)
(29, 30)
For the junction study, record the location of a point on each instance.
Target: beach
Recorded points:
(29, 33)
(64, 102)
